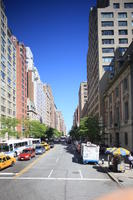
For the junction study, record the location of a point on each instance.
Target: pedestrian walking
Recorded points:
(130, 158)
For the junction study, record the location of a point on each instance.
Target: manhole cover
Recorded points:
(75, 172)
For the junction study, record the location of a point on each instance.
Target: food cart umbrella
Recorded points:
(110, 150)
(121, 151)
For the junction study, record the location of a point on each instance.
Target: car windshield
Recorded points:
(26, 151)
(38, 147)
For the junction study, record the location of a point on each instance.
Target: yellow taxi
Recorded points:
(6, 161)
(46, 145)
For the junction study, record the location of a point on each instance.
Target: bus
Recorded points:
(14, 147)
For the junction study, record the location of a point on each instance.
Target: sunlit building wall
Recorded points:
(110, 26)
(7, 69)
(21, 82)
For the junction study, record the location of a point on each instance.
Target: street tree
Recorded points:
(74, 133)
(9, 126)
(90, 129)
(33, 128)
(38, 129)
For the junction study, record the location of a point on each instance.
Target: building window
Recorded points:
(122, 15)
(126, 139)
(110, 117)
(125, 84)
(9, 81)
(123, 41)
(110, 99)
(122, 50)
(9, 95)
(3, 109)
(3, 59)
(107, 23)
(3, 67)
(3, 75)
(128, 5)
(116, 91)
(107, 41)
(132, 14)
(107, 67)
(123, 32)
(126, 111)
(107, 15)
(132, 23)
(122, 23)
(116, 5)
(108, 50)
(107, 59)
(2, 92)
(107, 32)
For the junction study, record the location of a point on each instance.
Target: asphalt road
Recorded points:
(55, 175)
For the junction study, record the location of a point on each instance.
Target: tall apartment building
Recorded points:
(39, 96)
(49, 105)
(21, 82)
(83, 96)
(110, 26)
(31, 109)
(59, 122)
(118, 103)
(76, 119)
(7, 69)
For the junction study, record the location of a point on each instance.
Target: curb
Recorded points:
(112, 176)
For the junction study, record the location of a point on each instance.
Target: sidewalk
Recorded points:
(122, 179)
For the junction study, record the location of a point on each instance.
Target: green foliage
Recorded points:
(9, 126)
(74, 133)
(52, 133)
(34, 128)
(38, 129)
(57, 134)
(89, 129)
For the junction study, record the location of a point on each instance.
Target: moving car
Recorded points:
(6, 161)
(27, 154)
(39, 149)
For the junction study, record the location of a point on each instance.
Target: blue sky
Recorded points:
(57, 33)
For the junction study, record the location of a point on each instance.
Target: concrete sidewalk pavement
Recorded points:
(124, 179)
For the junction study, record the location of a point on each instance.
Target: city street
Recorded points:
(55, 175)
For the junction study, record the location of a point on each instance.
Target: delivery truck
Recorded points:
(89, 153)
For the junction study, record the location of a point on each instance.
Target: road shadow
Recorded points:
(100, 169)
(76, 156)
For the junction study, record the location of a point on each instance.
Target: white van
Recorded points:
(89, 153)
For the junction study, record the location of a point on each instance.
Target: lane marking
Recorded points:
(29, 166)
(57, 160)
(58, 179)
(8, 173)
(80, 174)
(50, 173)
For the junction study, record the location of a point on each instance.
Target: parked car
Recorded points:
(40, 149)
(6, 161)
(46, 145)
(51, 144)
(27, 154)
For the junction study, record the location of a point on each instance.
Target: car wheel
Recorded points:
(15, 154)
(12, 163)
